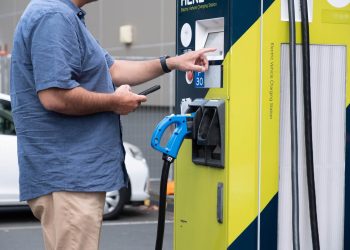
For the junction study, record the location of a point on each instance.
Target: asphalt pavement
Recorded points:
(135, 229)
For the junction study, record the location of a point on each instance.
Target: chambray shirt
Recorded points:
(53, 48)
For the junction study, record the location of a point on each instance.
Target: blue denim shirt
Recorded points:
(53, 48)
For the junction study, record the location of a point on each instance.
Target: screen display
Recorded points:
(215, 40)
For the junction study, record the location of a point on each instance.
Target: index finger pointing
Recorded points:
(206, 50)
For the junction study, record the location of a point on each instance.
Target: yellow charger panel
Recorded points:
(232, 186)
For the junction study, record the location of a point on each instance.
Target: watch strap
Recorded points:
(164, 65)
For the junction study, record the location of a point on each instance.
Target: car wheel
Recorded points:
(115, 202)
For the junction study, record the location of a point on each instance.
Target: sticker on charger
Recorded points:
(199, 79)
(209, 79)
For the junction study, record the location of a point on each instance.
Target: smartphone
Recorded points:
(150, 90)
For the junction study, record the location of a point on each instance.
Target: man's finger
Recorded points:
(206, 64)
(206, 50)
(141, 98)
(203, 61)
(198, 68)
(126, 87)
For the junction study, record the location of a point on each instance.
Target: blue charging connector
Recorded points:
(182, 129)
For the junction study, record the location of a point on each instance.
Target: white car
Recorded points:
(136, 166)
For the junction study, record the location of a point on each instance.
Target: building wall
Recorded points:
(10, 12)
(153, 23)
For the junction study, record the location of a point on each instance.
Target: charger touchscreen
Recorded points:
(215, 40)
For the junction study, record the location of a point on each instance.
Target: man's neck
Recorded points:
(79, 3)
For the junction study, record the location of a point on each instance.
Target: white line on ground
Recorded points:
(131, 223)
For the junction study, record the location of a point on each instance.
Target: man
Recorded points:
(66, 109)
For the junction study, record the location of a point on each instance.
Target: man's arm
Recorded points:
(137, 72)
(78, 101)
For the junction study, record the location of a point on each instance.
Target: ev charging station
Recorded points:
(232, 174)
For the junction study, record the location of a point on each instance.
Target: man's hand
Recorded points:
(137, 72)
(127, 101)
(191, 61)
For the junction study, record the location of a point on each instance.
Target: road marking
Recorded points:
(150, 222)
(7, 229)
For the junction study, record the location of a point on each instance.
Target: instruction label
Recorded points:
(271, 80)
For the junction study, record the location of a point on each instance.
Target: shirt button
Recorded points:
(80, 13)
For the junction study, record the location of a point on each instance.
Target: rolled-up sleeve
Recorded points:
(55, 53)
(109, 59)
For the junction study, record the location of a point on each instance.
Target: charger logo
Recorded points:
(190, 2)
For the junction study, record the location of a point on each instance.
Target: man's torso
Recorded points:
(58, 152)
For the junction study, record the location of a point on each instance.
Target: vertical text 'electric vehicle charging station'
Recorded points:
(233, 171)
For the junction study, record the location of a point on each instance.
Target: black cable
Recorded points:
(308, 124)
(162, 201)
(294, 130)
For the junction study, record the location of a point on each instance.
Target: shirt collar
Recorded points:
(80, 13)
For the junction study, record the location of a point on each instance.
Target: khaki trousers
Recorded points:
(70, 220)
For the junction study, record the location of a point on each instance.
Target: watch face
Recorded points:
(186, 35)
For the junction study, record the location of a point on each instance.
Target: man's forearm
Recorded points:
(77, 101)
(135, 72)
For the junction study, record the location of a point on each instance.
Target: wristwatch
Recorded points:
(163, 64)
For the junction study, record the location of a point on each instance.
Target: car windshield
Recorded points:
(6, 122)
(6, 105)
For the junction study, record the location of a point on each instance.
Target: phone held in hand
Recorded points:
(150, 90)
